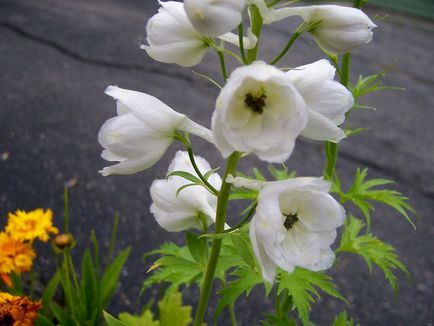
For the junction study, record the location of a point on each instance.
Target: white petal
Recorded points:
(320, 128)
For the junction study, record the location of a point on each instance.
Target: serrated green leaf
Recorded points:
(110, 279)
(372, 250)
(246, 279)
(145, 319)
(243, 248)
(303, 285)
(343, 320)
(172, 312)
(278, 321)
(361, 193)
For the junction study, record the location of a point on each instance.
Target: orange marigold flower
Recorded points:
(29, 226)
(15, 256)
(18, 311)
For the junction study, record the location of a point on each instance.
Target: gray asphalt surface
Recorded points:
(56, 59)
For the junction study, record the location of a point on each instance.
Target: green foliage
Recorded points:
(343, 320)
(303, 285)
(284, 320)
(370, 84)
(363, 191)
(372, 250)
(146, 319)
(176, 267)
(245, 280)
(171, 312)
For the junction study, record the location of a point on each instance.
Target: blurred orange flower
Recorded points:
(18, 311)
(29, 226)
(15, 256)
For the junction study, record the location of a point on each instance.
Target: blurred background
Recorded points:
(58, 56)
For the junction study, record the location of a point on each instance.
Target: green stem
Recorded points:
(216, 244)
(256, 25)
(199, 174)
(332, 148)
(241, 41)
(223, 64)
(358, 4)
(65, 214)
(286, 48)
(232, 314)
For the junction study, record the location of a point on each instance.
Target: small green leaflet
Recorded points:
(372, 250)
(303, 285)
(343, 320)
(361, 193)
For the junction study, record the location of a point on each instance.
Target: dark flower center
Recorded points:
(290, 220)
(255, 103)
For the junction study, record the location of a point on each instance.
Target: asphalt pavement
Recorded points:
(58, 56)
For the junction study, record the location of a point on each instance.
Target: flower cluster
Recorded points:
(16, 251)
(17, 310)
(260, 110)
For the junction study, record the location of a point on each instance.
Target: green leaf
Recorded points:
(361, 194)
(43, 321)
(186, 186)
(172, 312)
(210, 172)
(243, 248)
(258, 175)
(88, 286)
(61, 316)
(278, 321)
(372, 250)
(146, 319)
(177, 267)
(49, 292)
(110, 279)
(112, 321)
(185, 175)
(246, 279)
(281, 174)
(343, 320)
(369, 84)
(303, 285)
(198, 248)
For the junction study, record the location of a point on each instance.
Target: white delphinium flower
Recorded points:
(259, 111)
(214, 17)
(181, 212)
(294, 225)
(141, 132)
(326, 100)
(172, 38)
(339, 30)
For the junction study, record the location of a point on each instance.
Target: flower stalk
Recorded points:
(216, 245)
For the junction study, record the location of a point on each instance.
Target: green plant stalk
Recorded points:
(286, 48)
(256, 25)
(199, 174)
(222, 64)
(332, 148)
(241, 41)
(232, 315)
(216, 244)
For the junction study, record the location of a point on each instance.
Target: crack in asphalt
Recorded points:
(115, 65)
(96, 62)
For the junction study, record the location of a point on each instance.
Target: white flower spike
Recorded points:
(181, 212)
(214, 17)
(340, 30)
(141, 132)
(326, 100)
(259, 111)
(294, 225)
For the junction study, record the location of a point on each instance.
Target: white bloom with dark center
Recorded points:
(294, 225)
(141, 132)
(181, 212)
(326, 100)
(340, 29)
(258, 111)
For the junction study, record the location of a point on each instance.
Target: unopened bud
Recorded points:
(63, 241)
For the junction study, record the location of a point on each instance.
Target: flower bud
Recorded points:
(214, 17)
(339, 29)
(63, 241)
